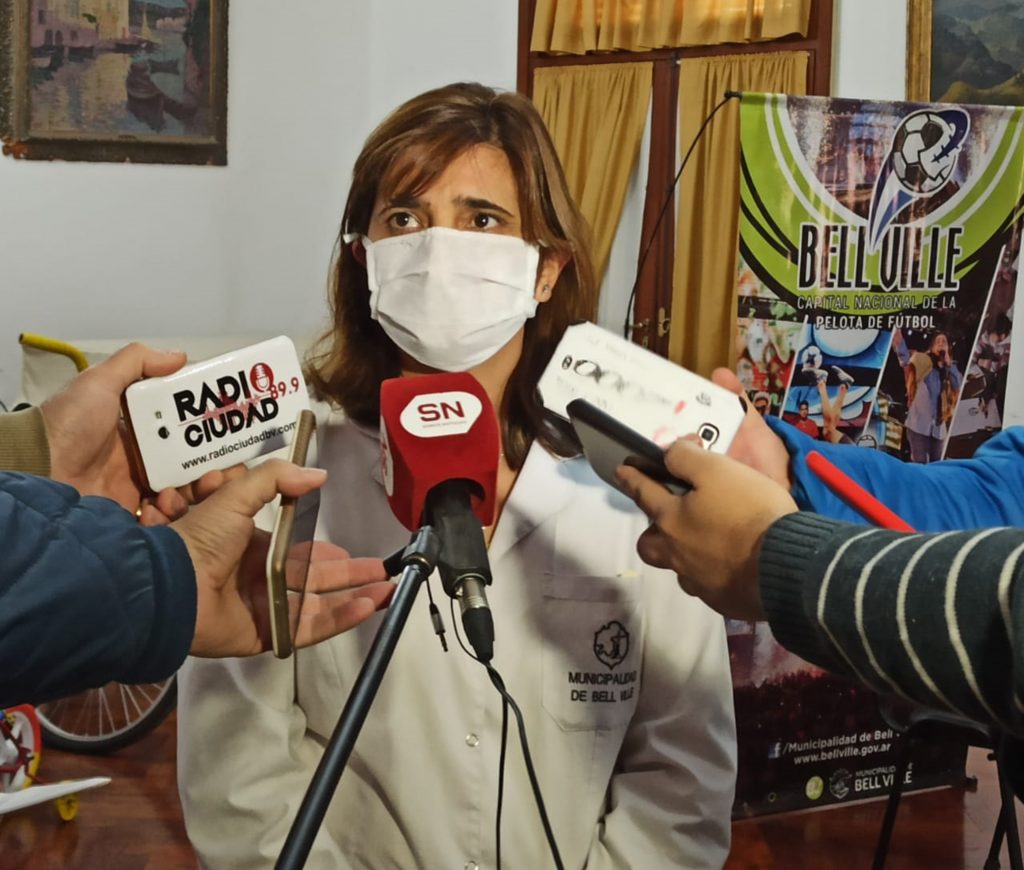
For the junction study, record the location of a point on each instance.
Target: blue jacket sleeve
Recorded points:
(86, 594)
(983, 491)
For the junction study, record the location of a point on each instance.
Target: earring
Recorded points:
(546, 290)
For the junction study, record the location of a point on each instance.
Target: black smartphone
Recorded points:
(291, 543)
(609, 443)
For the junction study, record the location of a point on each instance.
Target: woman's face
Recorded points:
(940, 344)
(477, 192)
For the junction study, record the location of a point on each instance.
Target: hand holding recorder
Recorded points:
(711, 537)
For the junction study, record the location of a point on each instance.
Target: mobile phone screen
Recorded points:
(291, 548)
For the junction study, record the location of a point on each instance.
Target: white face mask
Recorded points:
(451, 298)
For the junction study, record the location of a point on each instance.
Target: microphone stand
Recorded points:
(418, 561)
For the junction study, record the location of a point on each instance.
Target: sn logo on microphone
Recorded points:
(433, 415)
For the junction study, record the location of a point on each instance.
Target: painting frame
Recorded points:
(19, 140)
(919, 50)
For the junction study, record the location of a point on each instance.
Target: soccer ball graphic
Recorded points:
(812, 358)
(924, 152)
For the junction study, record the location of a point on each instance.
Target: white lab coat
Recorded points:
(623, 681)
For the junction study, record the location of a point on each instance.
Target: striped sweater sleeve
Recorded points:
(936, 618)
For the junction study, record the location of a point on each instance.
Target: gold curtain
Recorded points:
(579, 26)
(703, 327)
(596, 115)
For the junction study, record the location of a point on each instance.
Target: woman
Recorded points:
(933, 385)
(462, 250)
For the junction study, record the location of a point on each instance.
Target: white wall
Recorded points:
(869, 49)
(96, 251)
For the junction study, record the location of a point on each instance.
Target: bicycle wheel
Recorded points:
(104, 719)
(24, 731)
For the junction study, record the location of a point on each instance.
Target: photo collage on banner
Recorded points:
(878, 258)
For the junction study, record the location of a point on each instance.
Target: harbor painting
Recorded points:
(117, 80)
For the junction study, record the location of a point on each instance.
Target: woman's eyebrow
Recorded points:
(477, 202)
(401, 202)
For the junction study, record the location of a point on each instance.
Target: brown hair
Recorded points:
(407, 152)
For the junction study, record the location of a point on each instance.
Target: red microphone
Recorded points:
(439, 450)
(435, 428)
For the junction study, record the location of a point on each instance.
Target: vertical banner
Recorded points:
(879, 247)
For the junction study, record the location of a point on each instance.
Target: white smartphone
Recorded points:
(291, 542)
(609, 443)
(658, 399)
(214, 414)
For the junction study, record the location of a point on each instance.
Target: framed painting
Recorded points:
(114, 80)
(966, 51)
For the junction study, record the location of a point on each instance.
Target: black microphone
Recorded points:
(463, 565)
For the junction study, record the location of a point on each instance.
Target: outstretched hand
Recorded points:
(229, 557)
(755, 444)
(86, 437)
(711, 537)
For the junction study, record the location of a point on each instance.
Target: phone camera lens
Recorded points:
(163, 432)
(708, 434)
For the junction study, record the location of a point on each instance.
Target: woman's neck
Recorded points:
(493, 373)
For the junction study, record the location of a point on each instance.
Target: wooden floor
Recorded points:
(135, 823)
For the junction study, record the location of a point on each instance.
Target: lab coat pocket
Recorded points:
(593, 651)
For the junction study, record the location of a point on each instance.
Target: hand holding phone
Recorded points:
(291, 545)
(608, 443)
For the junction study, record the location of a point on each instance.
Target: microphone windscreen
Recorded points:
(435, 428)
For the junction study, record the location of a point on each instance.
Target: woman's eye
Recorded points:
(484, 221)
(402, 220)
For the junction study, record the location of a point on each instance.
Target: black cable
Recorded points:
(499, 684)
(509, 701)
(668, 201)
(435, 617)
(501, 782)
(458, 634)
(504, 745)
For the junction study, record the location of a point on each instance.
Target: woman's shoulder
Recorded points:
(327, 413)
(339, 437)
(332, 419)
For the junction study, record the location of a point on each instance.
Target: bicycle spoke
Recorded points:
(105, 712)
(54, 709)
(82, 711)
(125, 694)
(147, 700)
